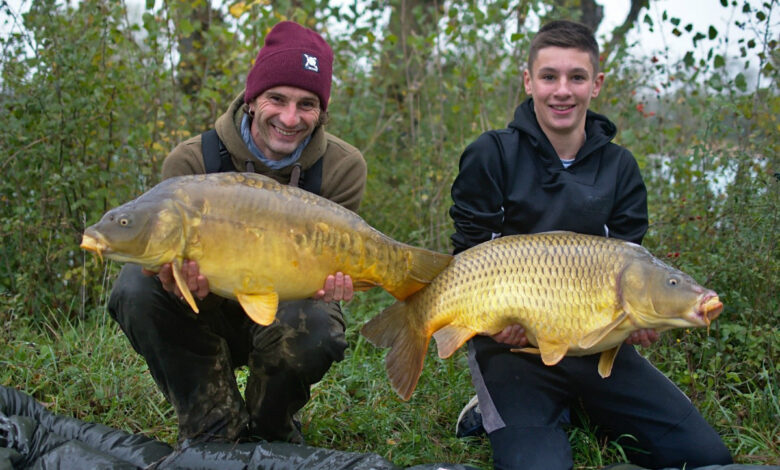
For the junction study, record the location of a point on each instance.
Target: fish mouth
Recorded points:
(91, 243)
(709, 308)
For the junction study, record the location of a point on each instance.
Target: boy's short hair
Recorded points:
(565, 34)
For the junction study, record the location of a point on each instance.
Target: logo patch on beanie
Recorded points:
(310, 63)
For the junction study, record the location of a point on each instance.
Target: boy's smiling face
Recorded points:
(562, 82)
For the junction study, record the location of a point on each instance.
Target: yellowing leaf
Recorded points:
(238, 9)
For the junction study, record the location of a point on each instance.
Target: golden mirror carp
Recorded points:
(574, 294)
(257, 241)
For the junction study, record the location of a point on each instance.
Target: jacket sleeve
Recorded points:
(477, 194)
(185, 159)
(628, 220)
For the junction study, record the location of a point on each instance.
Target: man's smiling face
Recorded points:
(283, 117)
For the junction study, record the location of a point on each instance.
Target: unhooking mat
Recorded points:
(31, 437)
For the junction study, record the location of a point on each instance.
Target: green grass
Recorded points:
(87, 369)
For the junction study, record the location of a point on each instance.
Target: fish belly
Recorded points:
(558, 287)
(261, 241)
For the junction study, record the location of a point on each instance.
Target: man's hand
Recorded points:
(513, 335)
(196, 282)
(337, 287)
(644, 337)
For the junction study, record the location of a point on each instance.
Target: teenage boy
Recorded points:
(555, 168)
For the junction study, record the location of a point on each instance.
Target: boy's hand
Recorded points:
(513, 335)
(644, 337)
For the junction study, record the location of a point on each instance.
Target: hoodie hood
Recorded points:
(599, 131)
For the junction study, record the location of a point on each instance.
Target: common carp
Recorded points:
(574, 294)
(257, 241)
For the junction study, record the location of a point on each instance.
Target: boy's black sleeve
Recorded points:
(628, 220)
(477, 194)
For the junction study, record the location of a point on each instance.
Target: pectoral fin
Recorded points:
(606, 361)
(552, 353)
(182, 285)
(450, 338)
(261, 308)
(528, 350)
(593, 338)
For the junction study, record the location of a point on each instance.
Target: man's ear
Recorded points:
(597, 83)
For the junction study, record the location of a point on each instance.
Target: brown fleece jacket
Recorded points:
(343, 166)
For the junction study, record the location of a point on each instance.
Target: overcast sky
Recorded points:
(701, 13)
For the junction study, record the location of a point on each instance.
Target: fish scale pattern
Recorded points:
(546, 283)
(575, 294)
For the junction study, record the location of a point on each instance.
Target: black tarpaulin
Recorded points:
(31, 437)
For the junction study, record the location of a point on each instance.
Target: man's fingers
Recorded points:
(203, 287)
(338, 286)
(349, 289)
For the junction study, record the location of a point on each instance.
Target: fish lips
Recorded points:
(709, 308)
(94, 244)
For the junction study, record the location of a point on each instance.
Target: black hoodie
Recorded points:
(512, 181)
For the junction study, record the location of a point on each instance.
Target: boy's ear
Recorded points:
(597, 85)
(527, 82)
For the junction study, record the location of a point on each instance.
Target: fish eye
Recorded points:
(124, 222)
(672, 282)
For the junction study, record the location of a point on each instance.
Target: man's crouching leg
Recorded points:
(288, 357)
(190, 363)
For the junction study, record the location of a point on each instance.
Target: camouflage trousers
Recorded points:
(192, 357)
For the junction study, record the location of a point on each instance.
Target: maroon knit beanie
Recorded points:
(292, 56)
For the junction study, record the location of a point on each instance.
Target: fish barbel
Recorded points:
(574, 294)
(257, 241)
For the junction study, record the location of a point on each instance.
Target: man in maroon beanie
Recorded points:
(274, 127)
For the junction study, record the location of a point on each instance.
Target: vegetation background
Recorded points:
(93, 95)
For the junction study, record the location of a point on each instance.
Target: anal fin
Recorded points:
(527, 350)
(261, 308)
(360, 285)
(552, 353)
(450, 338)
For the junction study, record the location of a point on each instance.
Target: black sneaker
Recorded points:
(470, 420)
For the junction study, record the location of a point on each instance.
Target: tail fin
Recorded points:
(408, 346)
(424, 266)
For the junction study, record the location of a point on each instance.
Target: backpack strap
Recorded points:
(311, 179)
(216, 158)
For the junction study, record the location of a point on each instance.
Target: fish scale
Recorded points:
(574, 294)
(545, 279)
